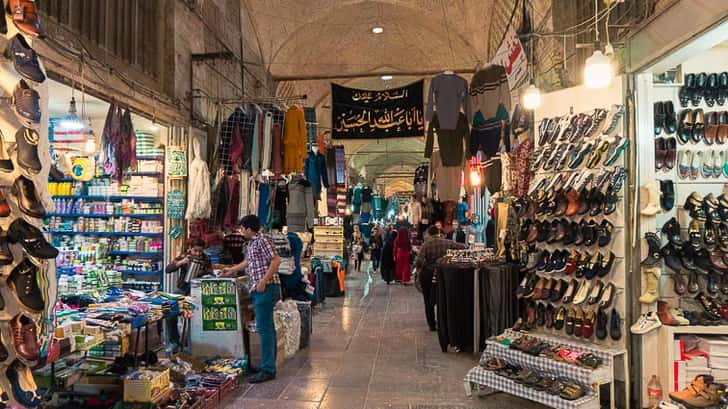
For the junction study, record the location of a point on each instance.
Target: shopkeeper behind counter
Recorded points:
(261, 264)
(192, 264)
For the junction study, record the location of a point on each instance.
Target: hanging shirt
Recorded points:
(448, 92)
(294, 141)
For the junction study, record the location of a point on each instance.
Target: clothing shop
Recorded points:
(680, 127)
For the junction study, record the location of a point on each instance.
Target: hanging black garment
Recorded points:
(455, 306)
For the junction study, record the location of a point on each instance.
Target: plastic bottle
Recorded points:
(654, 392)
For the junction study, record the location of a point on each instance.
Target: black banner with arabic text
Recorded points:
(365, 114)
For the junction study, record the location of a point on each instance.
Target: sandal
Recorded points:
(494, 364)
(572, 391)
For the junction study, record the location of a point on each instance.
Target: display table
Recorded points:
(219, 320)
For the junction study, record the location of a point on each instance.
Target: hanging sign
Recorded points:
(176, 161)
(511, 56)
(364, 114)
(219, 305)
(176, 204)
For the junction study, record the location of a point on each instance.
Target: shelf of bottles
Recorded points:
(109, 232)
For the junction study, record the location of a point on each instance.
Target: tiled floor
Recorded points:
(371, 349)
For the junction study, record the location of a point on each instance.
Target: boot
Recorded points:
(701, 393)
(650, 199)
(652, 284)
(653, 254)
(665, 315)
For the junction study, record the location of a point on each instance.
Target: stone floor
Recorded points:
(371, 349)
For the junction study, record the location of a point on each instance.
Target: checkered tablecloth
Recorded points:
(479, 377)
(603, 374)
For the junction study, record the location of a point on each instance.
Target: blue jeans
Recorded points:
(263, 304)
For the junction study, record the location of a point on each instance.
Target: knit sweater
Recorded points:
(488, 89)
(447, 94)
(294, 141)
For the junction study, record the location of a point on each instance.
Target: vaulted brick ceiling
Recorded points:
(298, 38)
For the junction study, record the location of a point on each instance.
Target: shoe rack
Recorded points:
(32, 339)
(699, 103)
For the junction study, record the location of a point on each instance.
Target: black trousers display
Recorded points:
(498, 303)
(455, 306)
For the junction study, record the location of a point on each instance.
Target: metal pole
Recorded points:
(368, 74)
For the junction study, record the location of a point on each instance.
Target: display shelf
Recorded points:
(136, 253)
(141, 272)
(480, 377)
(144, 173)
(107, 233)
(150, 157)
(107, 216)
(601, 375)
(150, 199)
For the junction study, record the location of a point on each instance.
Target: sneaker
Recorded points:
(27, 140)
(701, 393)
(25, 17)
(32, 240)
(23, 281)
(26, 103)
(646, 323)
(24, 59)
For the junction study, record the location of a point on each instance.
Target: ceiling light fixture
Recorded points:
(71, 122)
(598, 70)
(387, 77)
(532, 97)
(377, 29)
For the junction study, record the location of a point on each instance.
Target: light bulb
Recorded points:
(474, 178)
(90, 146)
(387, 77)
(377, 30)
(598, 71)
(532, 97)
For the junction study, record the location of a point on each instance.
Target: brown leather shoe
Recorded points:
(670, 152)
(572, 208)
(716, 259)
(25, 338)
(663, 312)
(25, 17)
(660, 153)
(701, 393)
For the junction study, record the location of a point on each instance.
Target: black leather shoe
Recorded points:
(711, 89)
(605, 267)
(685, 126)
(615, 326)
(722, 94)
(32, 240)
(570, 321)
(667, 194)
(6, 257)
(653, 251)
(696, 95)
(604, 233)
(24, 283)
(659, 117)
(27, 140)
(670, 119)
(602, 321)
(28, 199)
(671, 229)
(260, 377)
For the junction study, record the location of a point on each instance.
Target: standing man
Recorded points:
(435, 246)
(261, 263)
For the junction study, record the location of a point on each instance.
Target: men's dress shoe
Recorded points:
(25, 17)
(670, 118)
(23, 281)
(615, 326)
(32, 240)
(667, 194)
(711, 127)
(560, 319)
(570, 321)
(605, 265)
(698, 126)
(602, 321)
(697, 92)
(723, 126)
(680, 284)
(25, 338)
(6, 257)
(26, 103)
(659, 117)
(28, 198)
(261, 377)
(660, 153)
(722, 94)
(711, 89)
(685, 126)
(683, 168)
(24, 59)
(27, 140)
(670, 153)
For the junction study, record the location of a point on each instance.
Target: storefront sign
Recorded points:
(219, 305)
(364, 114)
(176, 204)
(176, 162)
(511, 56)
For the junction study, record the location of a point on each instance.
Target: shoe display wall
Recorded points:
(27, 267)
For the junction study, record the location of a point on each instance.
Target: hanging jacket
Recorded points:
(294, 141)
(316, 173)
(198, 188)
(299, 213)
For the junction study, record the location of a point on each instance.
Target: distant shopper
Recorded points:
(435, 246)
(402, 251)
(375, 247)
(387, 259)
(192, 264)
(358, 254)
(261, 263)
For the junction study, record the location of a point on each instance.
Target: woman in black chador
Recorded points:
(387, 263)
